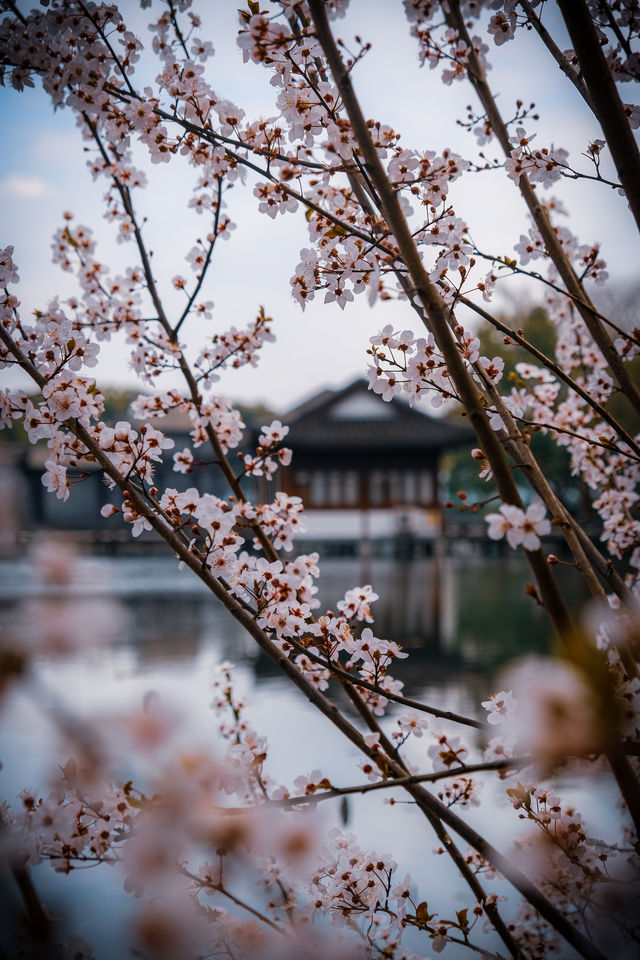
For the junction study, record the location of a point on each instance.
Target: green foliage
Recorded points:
(116, 404)
(255, 415)
(536, 327)
(462, 472)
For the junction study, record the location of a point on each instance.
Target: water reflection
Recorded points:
(455, 617)
(459, 619)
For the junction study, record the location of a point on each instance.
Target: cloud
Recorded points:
(24, 187)
(55, 144)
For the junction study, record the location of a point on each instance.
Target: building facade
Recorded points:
(365, 468)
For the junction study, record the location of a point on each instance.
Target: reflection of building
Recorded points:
(365, 468)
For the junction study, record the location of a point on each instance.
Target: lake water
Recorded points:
(460, 620)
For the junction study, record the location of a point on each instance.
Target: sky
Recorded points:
(43, 173)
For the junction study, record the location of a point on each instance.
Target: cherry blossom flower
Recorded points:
(55, 479)
(183, 461)
(412, 722)
(500, 707)
(521, 528)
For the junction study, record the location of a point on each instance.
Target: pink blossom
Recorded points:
(521, 528)
(55, 479)
(500, 707)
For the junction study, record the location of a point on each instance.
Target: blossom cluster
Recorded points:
(387, 229)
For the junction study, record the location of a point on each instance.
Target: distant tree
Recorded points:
(460, 470)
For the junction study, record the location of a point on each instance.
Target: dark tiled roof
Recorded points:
(313, 426)
(312, 404)
(377, 434)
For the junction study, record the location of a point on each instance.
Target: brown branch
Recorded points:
(429, 804)
(439, 829)
(37, 923)
(438, 317)
(578, 301)
(211, 136)
(220, 888)
(171, 333)
(394, 782)
(540, 216)
(490, 907)
(553, 428)
(343, 676)
(108, 45)
(556, 52)
(205, 266)
(555, 368)
(607, 105)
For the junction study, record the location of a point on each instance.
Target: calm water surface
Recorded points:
(460, 621)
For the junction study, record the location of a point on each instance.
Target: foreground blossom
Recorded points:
(522, 528)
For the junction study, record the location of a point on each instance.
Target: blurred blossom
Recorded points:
(556, 715)
(148, 731)
(172, 927)
(54, 562)
(617, 634)
(62, 618)
(60, 626)
(292, 840)
(612, 628)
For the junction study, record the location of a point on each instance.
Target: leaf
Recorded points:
(462, 917)
(422, 912)
(520, 793)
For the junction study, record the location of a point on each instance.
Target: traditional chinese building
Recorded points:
(366, 468)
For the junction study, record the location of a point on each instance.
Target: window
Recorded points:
(410, 486)
(376, 488)
(335, 489)
(318, 488)
(427, 487)
(395, 486)
(351, 494)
